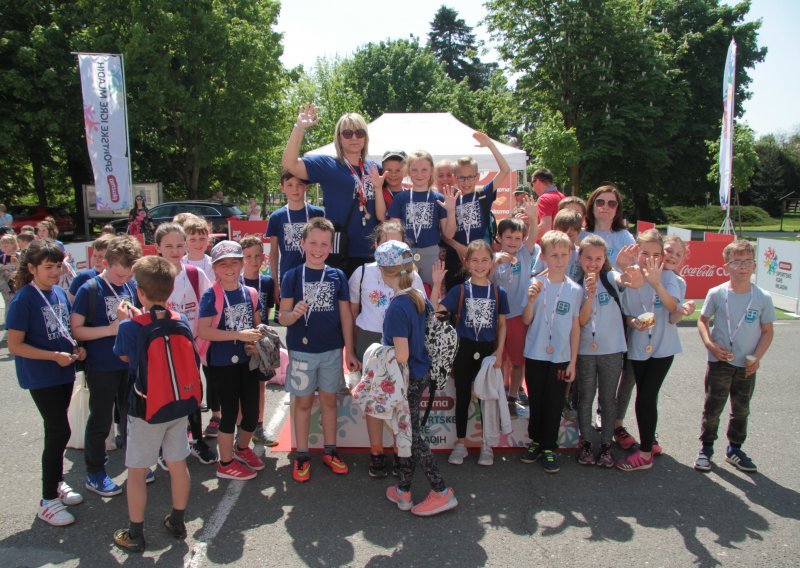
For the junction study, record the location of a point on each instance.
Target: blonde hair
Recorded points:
(739, 246)
(181, 218)
(155, 276)
(251, 241)
(195, 226)
(355, 121)
(676, 239)
(8, 238)
(467, 161)
(552, 239)
(596, 241)
(572, 200)
(320, 223)
(422, 155)
(124, 251)
(650, 236)
(390, 226)
(405, 280)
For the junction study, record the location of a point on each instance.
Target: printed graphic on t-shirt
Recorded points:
(51, 321)
(419, 215)
(480, 312)
(562, 308)
(604, 298)
(378, 299)
(320, 295)
(238, 316)
(292, 232)
(468, 215)
(369, 189)
(658, 303)
(752, 315)
(112, 303)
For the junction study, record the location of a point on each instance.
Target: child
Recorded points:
(675, 254)
(95, 321)
(314, 307)
(196, 230)
(652, 341)
(285, 227)
(743, 315)
(44, 353)
(370, 296)
(404, 329)
(427, 215)
(569, 222)
(108, 230)
(444, 175)
(237, 311)
(512, 271)
(253, 209)
(155, 278)
(24, 239)
(47, 229)
(253, 251)
(393, 166)
(8, 266)
(602, 346)
(574, 203)
(474, 207)
(480, 308)
(99, 247)
(190, 285)
(551, 347)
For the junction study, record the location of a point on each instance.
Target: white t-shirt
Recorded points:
(204, 265)
(183, 299)
(374, 296)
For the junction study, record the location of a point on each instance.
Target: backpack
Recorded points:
(441, 343)
(203, 345)
(167, 384)
(488, 217)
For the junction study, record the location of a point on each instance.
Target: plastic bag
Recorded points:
(78, 415)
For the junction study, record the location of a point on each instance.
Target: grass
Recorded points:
(779, 314)
(753, 219)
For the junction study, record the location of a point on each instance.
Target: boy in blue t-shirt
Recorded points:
(315, 307)
(743, 315)
(95, 320)
(99, 247)
(156, 278)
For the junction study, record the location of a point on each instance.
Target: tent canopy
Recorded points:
(440, 133)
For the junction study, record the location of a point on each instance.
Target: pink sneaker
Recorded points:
(249, 458)
(436, 503)
(235, 470)
(623, 438)
(402, 500)
(634, 462)
(657, 449)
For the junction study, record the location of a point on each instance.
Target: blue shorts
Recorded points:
(309, 371)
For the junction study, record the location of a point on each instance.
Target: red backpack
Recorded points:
(167, 384)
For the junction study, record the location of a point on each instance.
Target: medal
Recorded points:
(417, 257)
(235, 359)
(729, 357)
(550, 350)
(476, 356)
(305, 341)
(363, 221)
(367, 215)
(649, 348)
(593, 346)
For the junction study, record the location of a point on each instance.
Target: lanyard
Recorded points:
(238, 321)
(416, 229)
(289, 212)
(312, 301)
(477, 317)
(652, 310)
(732, 334)
(110, 287)
(360, 183)
(62, 329)
(550, 321)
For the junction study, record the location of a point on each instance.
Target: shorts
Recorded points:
(514, 348)
(364, 339)
(309, 371)
(145, 439)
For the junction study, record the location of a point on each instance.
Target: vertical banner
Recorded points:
(106, 126)
(726, 141)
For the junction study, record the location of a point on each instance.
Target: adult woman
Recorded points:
(139, 222)
(604, 219)
(347, 190)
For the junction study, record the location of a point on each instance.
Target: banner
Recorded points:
(778, 272)
(684, 234)
(106, 126)
(726, 140)
(704, 268)
(722, 237)
(238, 229)
(642, 226)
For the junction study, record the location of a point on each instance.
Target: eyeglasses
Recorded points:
(741, 264)
(611, 203)
(139, 198)
(466, 178)
(348, 134)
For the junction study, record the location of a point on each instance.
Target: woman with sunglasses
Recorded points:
(139, 222)
(347, 190)
(604, 219)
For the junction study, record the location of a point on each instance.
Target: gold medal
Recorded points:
(305, 341)
(550, 350)
(476, 356)
(417, 257)
(593, 346)
(235, 359)
(367, 215)
(729, 357)
(649, 348)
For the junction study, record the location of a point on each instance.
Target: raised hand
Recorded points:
(534, 289)
(632, 277)
(481, 138)
(627, 256)
(375, 176)
(451, 195)
(438, 273)
(530, 206)
(652, 270)
(307, 117)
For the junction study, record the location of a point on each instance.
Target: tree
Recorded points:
(777, 173)
(745, 158)
(452, 42)
(552, 145)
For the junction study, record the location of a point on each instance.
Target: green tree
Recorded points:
(777, 173)
(455, 46)
(745, 158)
(552, 145)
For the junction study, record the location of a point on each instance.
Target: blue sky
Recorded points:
(327, 28)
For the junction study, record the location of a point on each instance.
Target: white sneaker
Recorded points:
(54, 512)
(68, 495)
(458, 454)
(487, 456)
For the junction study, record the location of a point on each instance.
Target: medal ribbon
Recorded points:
(553, 313)
(414, 228)
(652, 310)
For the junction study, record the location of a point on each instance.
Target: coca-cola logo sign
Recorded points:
(704, 271)
(704, 268)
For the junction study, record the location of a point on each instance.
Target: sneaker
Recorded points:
(204, 407)
(458, 454)
(212, 430)
(301, 470)
(739, 459)
(122, 538)
(635, 462)
(118, 441)
(586, 456)
(101, 484)
(623, 438)
(178, 532)
(512, 407)
(54, 512)
(161, 463)
(249, 458)
(377, 466)
(68, 495)
(401, 498)
(235, 470)
(486, 457)
(703, 460)
(656, 448)
(436, 503)
(337, 466)
(551, 462)
(259, 436)
(532, 453)
(604, 458)
(522, 396)
(150, 476)
(203, 453)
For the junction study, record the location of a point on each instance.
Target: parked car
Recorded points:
(33, 214)
(214, 211)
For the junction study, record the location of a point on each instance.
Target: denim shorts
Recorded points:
(309, 371)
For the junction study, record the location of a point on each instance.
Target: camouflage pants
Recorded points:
(723, 380)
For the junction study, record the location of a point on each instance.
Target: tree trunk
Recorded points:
(38, 178)
(79, 174)
(574, 179)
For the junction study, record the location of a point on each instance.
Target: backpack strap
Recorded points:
(613, 292)
(431, 397)
(361, 285)
(91, 307)
(253, 298)
(460, 301)
(194, 279)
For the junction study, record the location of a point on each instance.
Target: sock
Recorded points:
(225, 464)
(330, 449)
(136, 529)
(302, 454)
(736, 446)
(176, 517)
(376, 449)
(401, 490)
(240, 449)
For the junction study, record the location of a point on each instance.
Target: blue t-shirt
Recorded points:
(80, 279)
(554, 310)
(265, 287)
(470, 224)
(420, 215)
(663, 336)
(609, 329)
(238, 314)
(323, 332)
(99, 352)
(403, 320)
(615, 240)
(760, 311)
(27, 312)
(516, 278)
(479, 310)
(339, 188)
(288, 226)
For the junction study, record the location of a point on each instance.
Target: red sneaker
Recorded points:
(436, 503)
(249, 458)
(337, 466)
(402, 500)
(235, 470)
(301, 470)
(623, 438)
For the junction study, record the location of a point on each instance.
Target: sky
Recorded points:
(329, 28)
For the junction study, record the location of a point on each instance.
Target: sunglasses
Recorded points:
(612, 203)
(348, 134)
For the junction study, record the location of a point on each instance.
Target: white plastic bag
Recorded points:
(78, 415)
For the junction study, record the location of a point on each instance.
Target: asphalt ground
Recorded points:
(510, 514)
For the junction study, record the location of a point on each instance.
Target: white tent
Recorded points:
(440, 133)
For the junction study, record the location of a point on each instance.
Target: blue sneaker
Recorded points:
(150, 477)
(101, 484)
(737, 458)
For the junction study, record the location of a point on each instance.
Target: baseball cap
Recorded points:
(226, 249)
(394, 155)
(393, 253)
